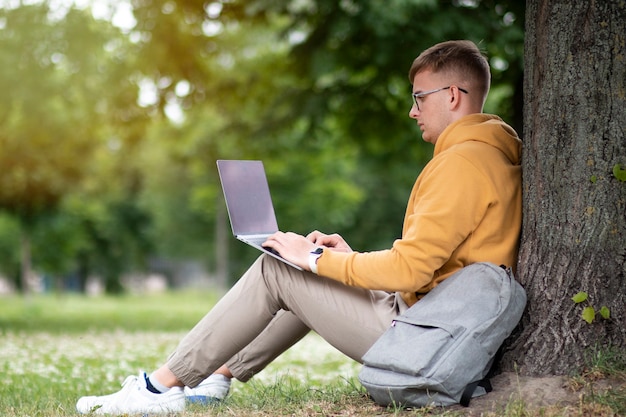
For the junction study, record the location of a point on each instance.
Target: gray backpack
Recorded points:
(440, 350)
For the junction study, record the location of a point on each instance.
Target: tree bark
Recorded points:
(574, 225)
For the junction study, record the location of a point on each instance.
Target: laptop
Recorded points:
(249, 203)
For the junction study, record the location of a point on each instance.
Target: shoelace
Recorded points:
(130, 384)
(129, 379)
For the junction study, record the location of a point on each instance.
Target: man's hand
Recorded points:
(293, 247)
(296, 248)
(334, 241)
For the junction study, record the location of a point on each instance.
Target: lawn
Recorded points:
(56, 348)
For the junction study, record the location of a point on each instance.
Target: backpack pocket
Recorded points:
(413, 347)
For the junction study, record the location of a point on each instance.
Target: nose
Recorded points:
(413, 112)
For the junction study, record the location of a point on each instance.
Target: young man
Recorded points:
(465, 207)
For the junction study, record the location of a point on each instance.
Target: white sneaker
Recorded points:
(133, 398)
(212, 390)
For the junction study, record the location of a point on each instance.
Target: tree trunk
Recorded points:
(221, 245)
(26, 275)
(574, 226)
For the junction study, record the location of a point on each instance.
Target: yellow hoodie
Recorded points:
(465, 207)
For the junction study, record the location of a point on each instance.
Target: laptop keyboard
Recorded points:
(259, 241)
(256, 240)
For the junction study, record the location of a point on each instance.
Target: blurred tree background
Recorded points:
(114, 112)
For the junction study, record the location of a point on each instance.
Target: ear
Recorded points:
(454, 98)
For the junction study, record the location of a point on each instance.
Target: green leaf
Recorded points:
(619, 173)
(593, 179)
(580, 297)
(605, 312)
(589, 314)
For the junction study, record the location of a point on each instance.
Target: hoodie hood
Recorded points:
(486, 128)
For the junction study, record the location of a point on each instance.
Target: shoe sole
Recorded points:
(202, 400)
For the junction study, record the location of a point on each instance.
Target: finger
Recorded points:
(327, 241)
(312, 237)
(273, 240)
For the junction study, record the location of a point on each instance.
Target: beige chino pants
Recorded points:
(269, 309)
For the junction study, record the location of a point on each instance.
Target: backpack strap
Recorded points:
(468, 392)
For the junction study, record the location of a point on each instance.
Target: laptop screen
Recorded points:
(247, 196)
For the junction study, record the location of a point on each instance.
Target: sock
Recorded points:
(153, 385)
(218, 377)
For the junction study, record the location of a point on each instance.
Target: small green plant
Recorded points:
(589, 312)
(619, 172)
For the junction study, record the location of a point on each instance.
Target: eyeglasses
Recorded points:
(425, 93)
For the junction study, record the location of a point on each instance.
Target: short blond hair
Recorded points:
(462, 60)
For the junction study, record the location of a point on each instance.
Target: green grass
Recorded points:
(72, 313)
(56, 348)
(602, 363)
